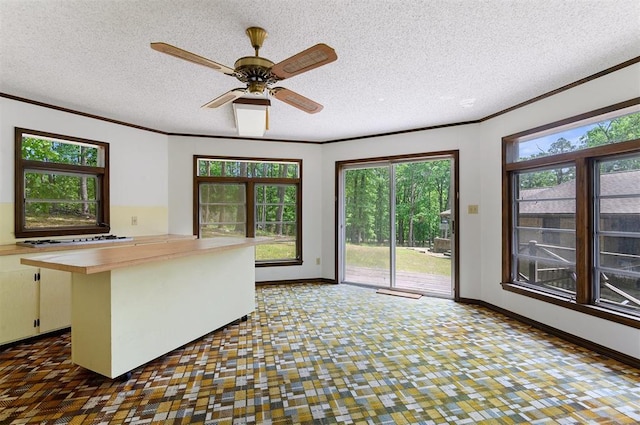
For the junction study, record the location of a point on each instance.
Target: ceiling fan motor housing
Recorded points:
(256, 72)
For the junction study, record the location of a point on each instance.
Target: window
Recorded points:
(571, 207)
(61, 185)
(544, 236)
(222, 210)
(617, 232)
(251, 198)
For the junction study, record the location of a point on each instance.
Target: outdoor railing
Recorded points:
(563, 277)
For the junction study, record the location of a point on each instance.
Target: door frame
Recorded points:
(455, 203)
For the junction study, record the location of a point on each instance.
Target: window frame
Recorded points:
(100, 173)
(583, 160)
(250, 183)
(549, 230)
(258, 204)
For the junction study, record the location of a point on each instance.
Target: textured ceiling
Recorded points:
(401, 64)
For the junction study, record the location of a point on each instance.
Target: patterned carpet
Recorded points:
(326, 354)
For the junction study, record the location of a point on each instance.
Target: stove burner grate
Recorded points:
(41, 243)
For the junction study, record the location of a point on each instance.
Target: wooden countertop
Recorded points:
(13, 249)
(100, 260)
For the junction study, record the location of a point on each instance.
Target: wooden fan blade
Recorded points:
(296, 100)
(191, 57)
(313, 57)
(225, 98)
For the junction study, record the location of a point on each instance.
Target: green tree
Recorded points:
(617, 130)
(51, 187)
(358, 201)
(626, 127)
(381, 229)
(422, 193)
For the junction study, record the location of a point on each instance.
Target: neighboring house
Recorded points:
(554, 208)
(542, 210)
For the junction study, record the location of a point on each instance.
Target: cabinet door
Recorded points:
(55, 300)
(18, 304)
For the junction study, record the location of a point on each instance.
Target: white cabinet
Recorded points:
(32, 300)
(55, 300)
(18, 304)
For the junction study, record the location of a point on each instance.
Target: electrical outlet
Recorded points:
(134, 220)
(472, 209)
(318, 261)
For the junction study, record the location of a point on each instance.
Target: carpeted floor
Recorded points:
(326, 354)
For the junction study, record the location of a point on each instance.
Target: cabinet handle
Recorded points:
(34, 323)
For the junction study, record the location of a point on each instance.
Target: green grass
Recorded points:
(369, 256)
(43, 221)
(276, 251)
(406, 259)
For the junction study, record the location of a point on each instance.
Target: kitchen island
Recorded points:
(132, 304)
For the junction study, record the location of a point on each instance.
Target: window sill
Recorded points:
(278, 263)
(67, 231)
(592, 310)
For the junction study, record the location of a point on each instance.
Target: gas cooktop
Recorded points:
(42, 243)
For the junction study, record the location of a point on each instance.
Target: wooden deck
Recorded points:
(427, 284)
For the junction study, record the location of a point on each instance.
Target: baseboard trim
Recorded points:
(34, 338)
(585, 343)
(294, 281)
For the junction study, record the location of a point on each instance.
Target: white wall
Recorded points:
(605, 91)
(466, 139)
(181, 151)
(138, 166)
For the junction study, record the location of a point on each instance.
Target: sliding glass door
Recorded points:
(367, 254)
(396, 224)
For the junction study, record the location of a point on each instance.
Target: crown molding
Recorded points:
(584, 80)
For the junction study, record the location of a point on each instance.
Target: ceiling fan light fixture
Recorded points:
(251, 116)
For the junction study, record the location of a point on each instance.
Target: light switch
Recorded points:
(472, 209)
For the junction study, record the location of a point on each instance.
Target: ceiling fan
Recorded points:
(260, 74)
